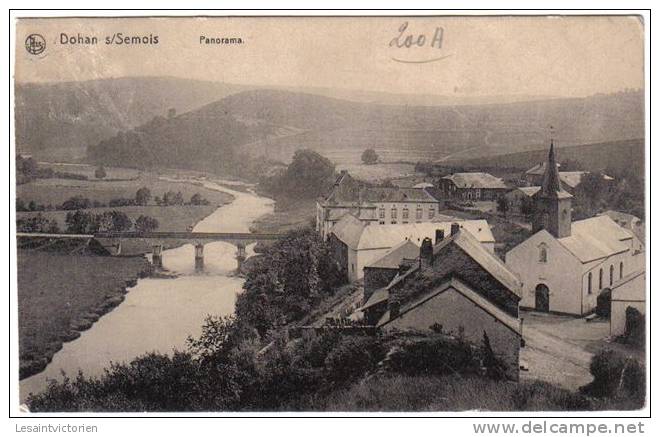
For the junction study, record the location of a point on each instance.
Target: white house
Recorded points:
(565, 265)
(356, 245)
(630, 291)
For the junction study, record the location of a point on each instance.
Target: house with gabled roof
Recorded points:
(472, 186)
(374, 205)
(565, 265)
(455, 286)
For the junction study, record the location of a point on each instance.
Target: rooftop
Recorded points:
(476, 180)
(462, 288)
(595, 238)
(393, 258)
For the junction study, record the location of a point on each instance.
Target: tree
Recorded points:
(76, 202)
(112, 221)
(502, 205)
(171, 113)
(37, 223)
(142, 196)
(79, 222)
(369, 157)
(100, 172)
(307, 176)
(197, 199)
(146, 224)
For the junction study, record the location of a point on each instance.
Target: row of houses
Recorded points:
(441, 272)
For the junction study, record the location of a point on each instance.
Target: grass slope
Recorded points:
(60, 295)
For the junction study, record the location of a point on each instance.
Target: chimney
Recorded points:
(455, 227)
(394, 307)
(426, 253)
(439, 235)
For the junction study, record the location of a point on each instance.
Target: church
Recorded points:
(565, 265)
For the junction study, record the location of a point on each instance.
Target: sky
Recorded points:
(477, 56)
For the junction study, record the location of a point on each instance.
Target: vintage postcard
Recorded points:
(330, 214)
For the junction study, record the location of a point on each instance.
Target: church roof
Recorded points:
(476, 180)
(595, 238)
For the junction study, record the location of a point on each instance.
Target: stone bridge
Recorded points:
(197, 239)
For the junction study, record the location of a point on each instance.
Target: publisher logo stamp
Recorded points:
(35, 44)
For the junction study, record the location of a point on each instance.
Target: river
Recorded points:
(160, 314)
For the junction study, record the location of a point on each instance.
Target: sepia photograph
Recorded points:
(410, 213)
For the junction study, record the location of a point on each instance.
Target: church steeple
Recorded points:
(552, 204)
(551, 182)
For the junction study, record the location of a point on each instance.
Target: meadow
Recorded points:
(60, 295)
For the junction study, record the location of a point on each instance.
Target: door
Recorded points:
(542, 298)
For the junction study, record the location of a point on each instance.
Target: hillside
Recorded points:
(275, 123)
(57, 122)
(617, 155)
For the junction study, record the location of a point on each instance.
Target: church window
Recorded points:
(611, 274)
(431, 212)
(405, 212)
(600, 278)
(589, 278)
(543, 254)
(621, 270)
(381, 213)
(418, 213)
(393, 213)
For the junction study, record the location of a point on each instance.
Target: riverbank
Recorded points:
(61, 295)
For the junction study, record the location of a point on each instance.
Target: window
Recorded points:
(543, 254)
(621, 270)
(589, 283)
(418, 213)
(600, 278)
(381, 213)
(393, 213)
(431, 212)
(611, 274)
(405, 212)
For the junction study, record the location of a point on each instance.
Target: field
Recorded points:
(61, 295)
(170, 218)
(55, 191)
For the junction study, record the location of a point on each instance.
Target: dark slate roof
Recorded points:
(551, 186)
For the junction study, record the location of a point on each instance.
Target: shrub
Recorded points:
(604, 303)
(76, 202)
(635, 329)
(351, 358)
(438, 355)
(606, 367)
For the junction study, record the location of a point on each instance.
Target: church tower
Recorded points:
(552, 204)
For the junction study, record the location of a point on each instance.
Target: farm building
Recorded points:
(456, 286)
(472, 186)
(374, 205)
(357, 245)
(565, 265)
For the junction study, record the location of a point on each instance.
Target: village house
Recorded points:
(569, 179)
(455, 286)
(472, 186)
(629, 291)
(374, 205)
(356, 245)
(520, 200)
(565, 265)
